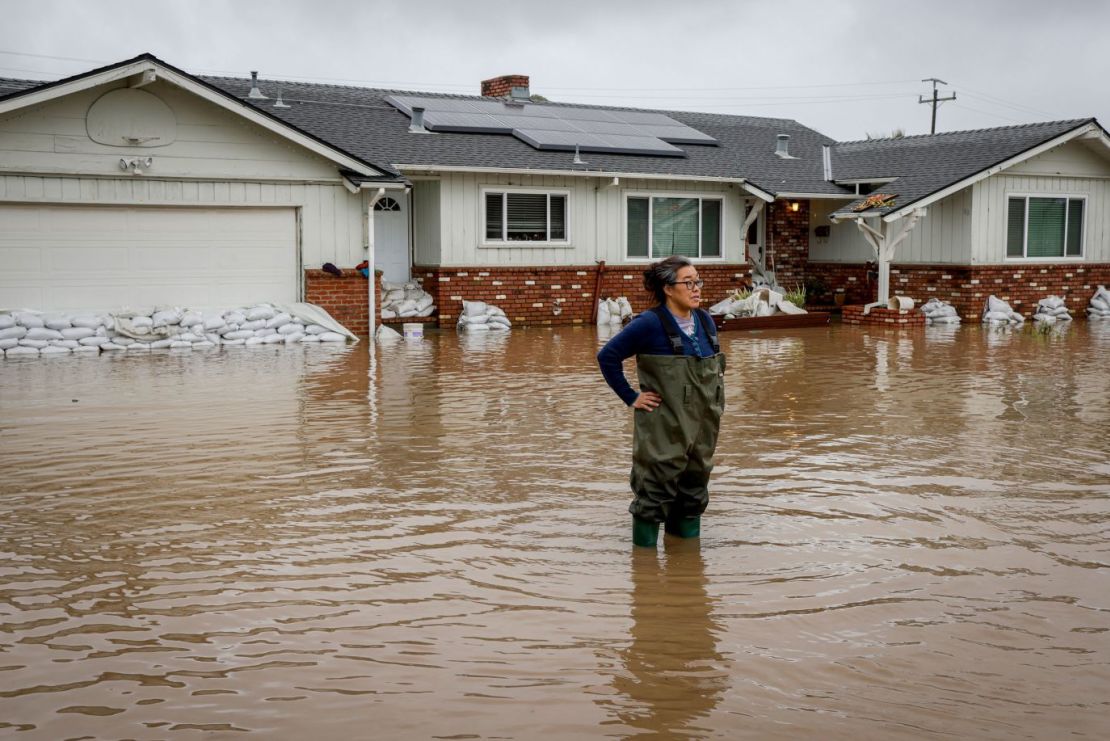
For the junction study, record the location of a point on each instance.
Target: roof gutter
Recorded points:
(432, 169)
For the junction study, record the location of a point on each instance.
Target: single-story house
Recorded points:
(141, 183)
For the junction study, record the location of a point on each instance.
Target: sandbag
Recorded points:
(180, 345)
(86, 350)
(9, 342)
(66, 343)
(55, 350)
(406, 305)
(232, 343)
(312, 338)
(214, 323)
(93, 341)
(253, 341)
(164, 318)
(38, 344)
(315, 329)
(21, 351)
(331, 337)
(139, 347)
(291, 328)
(112, 346)
(278, 320)
(427, 311)
(474, 308)
(252, 324)
(161, 344)
(263, 312)
(43, 333)
(389, 314)
(57, 322)
(29, 320)
(239, 334)
(15, 332)
(189, 318)
(476, 327)
(424, 301)
(6, 321)
(603, 315)
(92, 322)
(235, 317)
(997, 304)
(293, 338)
(273, 338)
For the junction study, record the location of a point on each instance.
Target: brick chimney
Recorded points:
(502, 87)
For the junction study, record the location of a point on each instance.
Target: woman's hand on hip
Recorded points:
(647, 400)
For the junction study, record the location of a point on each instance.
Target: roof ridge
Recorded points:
(466, 96)
(1075, 121)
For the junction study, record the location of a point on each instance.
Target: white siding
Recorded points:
(51, 138)
(1074, 159)
(331, 218)
(942, 237)
(989, 227)
(426, 222)
(595, 219)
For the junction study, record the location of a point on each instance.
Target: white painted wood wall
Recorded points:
(218, 159)
(596, 219)
(942, 237)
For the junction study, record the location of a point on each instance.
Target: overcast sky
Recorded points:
(844, 67)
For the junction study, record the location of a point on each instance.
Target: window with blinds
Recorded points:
(662, 226)
(1044, 226)
(525, 217)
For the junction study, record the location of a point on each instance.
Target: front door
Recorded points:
(391, 238)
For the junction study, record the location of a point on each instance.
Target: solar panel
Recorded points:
(556, 127)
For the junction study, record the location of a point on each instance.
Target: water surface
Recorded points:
(907, 538)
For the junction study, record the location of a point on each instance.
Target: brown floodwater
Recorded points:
(907, 538)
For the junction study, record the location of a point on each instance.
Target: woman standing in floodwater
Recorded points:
(678, 410)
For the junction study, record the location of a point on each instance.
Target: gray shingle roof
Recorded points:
(360, 121)
(924, 165)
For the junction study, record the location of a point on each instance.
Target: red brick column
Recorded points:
(787, 249)
(344, 297)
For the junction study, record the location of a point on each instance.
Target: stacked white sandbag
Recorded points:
(613, 310)
(939, 312)
(29, 333)
(478, 316)
(997, 312)
(1050, 310)
(406, 300)
(1099, 305)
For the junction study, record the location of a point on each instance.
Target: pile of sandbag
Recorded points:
(939, 312)
(613, 310)
(478, 316)
(406, 300)
(1099, 306)
(30, 333)
(1051, 310)
(997, 312)
(763, 301)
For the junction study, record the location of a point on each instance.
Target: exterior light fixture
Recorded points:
(795, 206)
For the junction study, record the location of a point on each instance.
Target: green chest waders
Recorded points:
(673, 445)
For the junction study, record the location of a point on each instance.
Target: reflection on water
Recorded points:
(672, 674)
(906, 539)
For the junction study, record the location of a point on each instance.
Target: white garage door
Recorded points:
(107, 257)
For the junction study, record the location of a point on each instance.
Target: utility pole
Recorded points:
(934, 101)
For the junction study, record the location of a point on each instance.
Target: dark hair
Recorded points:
(664, 273)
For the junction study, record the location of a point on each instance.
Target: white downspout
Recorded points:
(753, 214)
(371, 261)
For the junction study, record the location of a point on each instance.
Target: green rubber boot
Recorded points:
(644, 533)
(687, 527)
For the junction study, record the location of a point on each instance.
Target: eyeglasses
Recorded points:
(690, 284)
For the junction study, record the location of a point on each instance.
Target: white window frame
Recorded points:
(484, 241)
(722, 197)
(1025, 233)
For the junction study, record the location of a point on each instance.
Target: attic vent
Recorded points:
(417, 124)
(782, 147)
(255, 93)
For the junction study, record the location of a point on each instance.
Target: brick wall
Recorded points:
(878, 317)
(500, 87)
(345, 298)
(788, 241)
(967, 287)
(531, 295)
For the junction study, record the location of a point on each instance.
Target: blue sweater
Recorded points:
(645, 335)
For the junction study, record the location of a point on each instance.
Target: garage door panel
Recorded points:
(23, 260)
(65, 261)
(105, 257)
